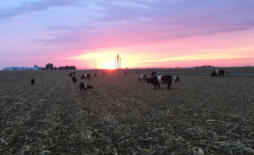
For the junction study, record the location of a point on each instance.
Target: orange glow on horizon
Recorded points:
(212, 56)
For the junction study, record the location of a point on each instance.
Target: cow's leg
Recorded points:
(169, 85)
(154, 86)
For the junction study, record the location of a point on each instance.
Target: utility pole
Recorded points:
(118, 62)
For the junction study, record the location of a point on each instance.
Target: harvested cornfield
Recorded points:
(199, 115)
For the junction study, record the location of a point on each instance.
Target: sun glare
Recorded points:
(107, 65)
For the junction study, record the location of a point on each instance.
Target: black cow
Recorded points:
(84, 87)
(70, 74)
(74, 79)
(95, 74)
(214, 74)
(32, 82)
(157, 80)
(221, 73)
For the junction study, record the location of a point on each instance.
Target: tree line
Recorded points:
(50, 66)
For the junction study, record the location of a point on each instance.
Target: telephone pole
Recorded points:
(118, 62)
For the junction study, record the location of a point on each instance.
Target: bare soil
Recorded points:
(123, 116)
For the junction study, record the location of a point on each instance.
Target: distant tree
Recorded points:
(67, 68)
(49, 66)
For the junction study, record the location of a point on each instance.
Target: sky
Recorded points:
(146, 33)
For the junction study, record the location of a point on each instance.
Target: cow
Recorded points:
(32, 82)
(74, 79)
(214, 74)
(218, 73)
(95, 75)
(157, 80)
(70, 74)
(142, 77)
(153, 74)
(221, 73)
(84, 87)
(82, 77)
(86, 76)
(177, 79)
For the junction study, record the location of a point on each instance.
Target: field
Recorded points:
(199, 115)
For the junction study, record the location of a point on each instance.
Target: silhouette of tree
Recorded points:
(49, 66)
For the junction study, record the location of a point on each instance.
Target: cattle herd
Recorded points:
(154, 79)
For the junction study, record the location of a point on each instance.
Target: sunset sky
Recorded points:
(146, 33)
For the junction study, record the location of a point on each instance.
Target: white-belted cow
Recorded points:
(84, 87)
(160, 79)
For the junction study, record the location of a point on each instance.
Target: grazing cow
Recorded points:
(153, 74)
(74, 79)
(70, 74)
(177, 79)
(157, 80)
(32, 82)
(95, 74)
(73, 73)
(142, 77)
(84, 87)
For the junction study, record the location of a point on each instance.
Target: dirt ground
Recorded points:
(199, 115)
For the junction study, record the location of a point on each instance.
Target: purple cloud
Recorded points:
(28, 7)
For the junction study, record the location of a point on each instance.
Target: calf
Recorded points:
(157, 80)
(32, 82)
(84, 87)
